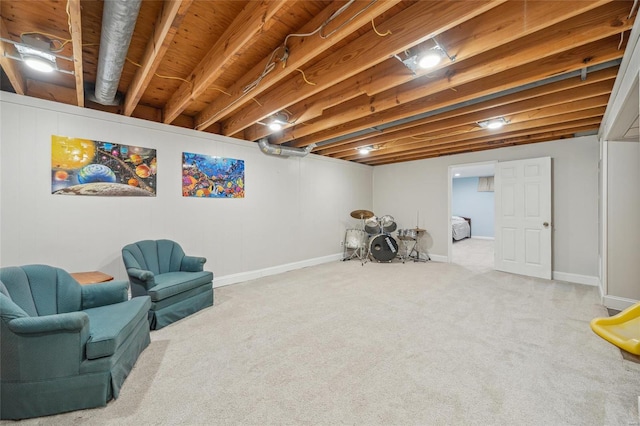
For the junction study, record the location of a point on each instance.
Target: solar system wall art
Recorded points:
(87, 167)
(212, 177)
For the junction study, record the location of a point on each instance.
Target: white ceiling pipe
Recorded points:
(118, 21)
(284, 151)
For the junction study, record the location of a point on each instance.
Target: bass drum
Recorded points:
(383, 248)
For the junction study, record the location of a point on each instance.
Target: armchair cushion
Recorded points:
(112, 324)
(172, 283)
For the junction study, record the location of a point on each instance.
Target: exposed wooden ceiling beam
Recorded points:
(247, 24)
(301, 51)
(544, 136)
(466, 127)
(558, 123)
(9, 65)
(412, 26)
(51, 92)
(515, 103)
(559, 38)
(170, 18)
(75, 28)
(496, 27)
(598, 52)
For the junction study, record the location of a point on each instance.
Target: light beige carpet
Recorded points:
(381, 344)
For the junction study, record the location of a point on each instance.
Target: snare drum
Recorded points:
(383, 248)
(372, 226)
(355, 239)
(388, 224)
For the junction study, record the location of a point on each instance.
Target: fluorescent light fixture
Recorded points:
(493, 124)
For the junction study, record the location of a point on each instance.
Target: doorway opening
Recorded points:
(472, 216)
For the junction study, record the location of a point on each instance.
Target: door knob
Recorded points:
(545, 224)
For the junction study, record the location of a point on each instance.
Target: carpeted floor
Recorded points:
(381, 344)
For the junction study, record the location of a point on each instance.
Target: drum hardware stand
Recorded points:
(415, 245)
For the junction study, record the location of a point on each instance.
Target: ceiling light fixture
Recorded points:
(493, 124)
(366, 149)
(427, 59)
(277, 121)
(36, 52)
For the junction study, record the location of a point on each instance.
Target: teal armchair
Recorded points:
(176, 283)
(64, 346)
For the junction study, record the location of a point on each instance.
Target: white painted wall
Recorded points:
(623, 215)
(404, 189)
(295, 210)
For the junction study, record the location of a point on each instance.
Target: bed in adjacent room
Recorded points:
(460, 227)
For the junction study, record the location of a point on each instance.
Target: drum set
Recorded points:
(373, 240)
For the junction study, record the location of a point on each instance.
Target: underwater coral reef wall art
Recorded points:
(212, 177)
(88, 167)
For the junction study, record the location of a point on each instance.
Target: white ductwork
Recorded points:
(284, 151)
(118, 21)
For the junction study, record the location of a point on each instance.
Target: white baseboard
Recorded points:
(473, 237)
(619, 303)
(438, 258)
(273, 270)
(576, 278)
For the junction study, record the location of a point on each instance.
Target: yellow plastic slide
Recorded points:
(623, 329)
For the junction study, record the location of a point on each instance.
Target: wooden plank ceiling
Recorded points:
(337, 71)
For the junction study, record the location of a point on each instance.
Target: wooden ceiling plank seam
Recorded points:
(599, 52)
(548, 94)
(75, 29)
(167, 24)
(566, 121)
(526, 50)
(9, 65)
(415, 24)
(236, 38)
(301, 51)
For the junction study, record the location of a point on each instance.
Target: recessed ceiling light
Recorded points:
(430, 59)
(493, 124)
(39, 63)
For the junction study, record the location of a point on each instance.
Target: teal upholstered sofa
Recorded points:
(65, 346)
(177, 284)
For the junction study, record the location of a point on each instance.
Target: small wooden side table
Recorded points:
(91, 277)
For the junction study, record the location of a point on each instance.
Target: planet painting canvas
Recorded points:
(88, 167)
(212, 177)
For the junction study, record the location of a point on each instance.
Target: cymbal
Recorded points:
(361, 214)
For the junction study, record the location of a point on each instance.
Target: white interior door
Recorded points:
(523, 217)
